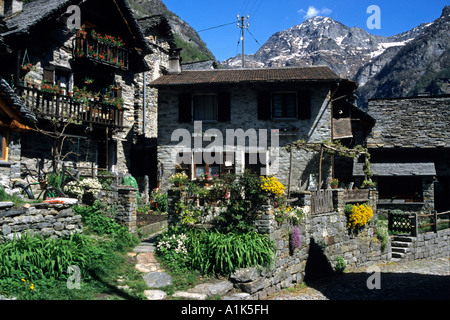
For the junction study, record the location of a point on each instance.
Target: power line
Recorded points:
(254, 37)
(222, 25)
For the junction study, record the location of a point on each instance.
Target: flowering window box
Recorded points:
(106, 49)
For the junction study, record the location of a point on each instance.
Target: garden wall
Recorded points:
(54, 220)
(429, 245)
(323, 238)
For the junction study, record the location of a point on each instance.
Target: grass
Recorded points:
(35, 267)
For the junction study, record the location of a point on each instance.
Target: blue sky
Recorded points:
(269, 16)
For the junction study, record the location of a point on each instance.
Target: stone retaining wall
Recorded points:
(323, 238)
(53, 220)
(430, 245)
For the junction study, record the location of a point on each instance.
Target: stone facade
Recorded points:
(244, 116)
(86, 146)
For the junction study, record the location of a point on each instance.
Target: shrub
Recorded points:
(359, 216)
(272, 185)
(294, 240)
(158, 200)
(340, 265)
(212, 252)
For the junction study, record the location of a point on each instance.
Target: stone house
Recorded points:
(410, 152)
(86, 84)
(264, 109)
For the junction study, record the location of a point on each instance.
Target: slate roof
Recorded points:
(397, 169)
(410, 122)
(40, 11)
(157, 25)
(269, 75)
(8, 94)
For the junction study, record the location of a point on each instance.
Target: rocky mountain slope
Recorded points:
(379, 64)
(194, 49)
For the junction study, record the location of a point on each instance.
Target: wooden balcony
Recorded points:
(58, 106)
(85, 47)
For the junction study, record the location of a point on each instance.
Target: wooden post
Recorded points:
(290, 174)
(320, 168)
(435, 227)
(414, 225)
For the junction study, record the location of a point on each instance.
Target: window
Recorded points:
(284, 105)
(227, 166)
(205, 107)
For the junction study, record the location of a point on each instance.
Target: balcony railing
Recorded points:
(60, 107)
(93, 49)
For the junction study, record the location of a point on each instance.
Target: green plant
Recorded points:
(383, 232)
(246, 195)
(340, 265)
(359, 216)
(158, 200)
(334, 183)
(179, 179)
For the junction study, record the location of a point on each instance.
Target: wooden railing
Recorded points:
(412, 223)
(87, 47)
(59, 106)
(322, 201)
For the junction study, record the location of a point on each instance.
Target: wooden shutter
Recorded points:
(264, 105)
(304, 105)
(49, 75)
(184, 108)
(224, 113)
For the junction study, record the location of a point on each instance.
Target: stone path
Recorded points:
(156, 277)
(412, 280)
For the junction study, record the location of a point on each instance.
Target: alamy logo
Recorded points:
(235, 142)
(374, 21)
(374, 281)
(74, 281)
(74, 21)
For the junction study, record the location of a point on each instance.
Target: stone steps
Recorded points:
(400, 247)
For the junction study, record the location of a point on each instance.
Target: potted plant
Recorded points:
(368, 184)
(179, 179)
(334, 183)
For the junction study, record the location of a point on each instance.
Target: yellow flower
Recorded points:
(23, 280)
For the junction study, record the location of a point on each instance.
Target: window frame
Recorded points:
(193, 111)
(284, 94)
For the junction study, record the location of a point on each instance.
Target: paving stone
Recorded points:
(157, 279)
(189, 295)
(155, 294)
(212, 288)
(238, 296)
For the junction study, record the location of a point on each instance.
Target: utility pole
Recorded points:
(242, 25)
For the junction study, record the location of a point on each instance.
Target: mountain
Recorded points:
(381, 65)
(422, 65)
(194, 49)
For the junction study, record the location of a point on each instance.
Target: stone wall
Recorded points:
(55, 220)
(323, 238)
(430, 245)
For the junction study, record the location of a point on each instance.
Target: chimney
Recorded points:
(10, 7)
(175, 61)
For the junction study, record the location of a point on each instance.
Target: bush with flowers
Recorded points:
(179, 179)
(86, 187)
(358, 215)
(272, 185)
